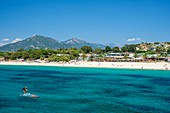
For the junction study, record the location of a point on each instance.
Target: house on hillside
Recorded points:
(143, 47)
(152, 48)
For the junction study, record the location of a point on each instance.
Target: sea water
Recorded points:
(84, 90)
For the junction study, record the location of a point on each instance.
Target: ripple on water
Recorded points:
(135, 76)
(161, 81)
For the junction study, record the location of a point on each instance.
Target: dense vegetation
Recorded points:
(67, 54)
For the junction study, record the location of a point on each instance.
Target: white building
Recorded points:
(115, 55)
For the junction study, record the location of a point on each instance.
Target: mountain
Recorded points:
(35, 42)
(75, 42)
(112, 45)
(38, 41)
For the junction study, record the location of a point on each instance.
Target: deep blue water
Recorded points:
(84, 90)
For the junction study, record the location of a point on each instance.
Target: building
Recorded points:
(115, 55)
(2, 59)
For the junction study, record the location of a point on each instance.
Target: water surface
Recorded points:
(84, 90)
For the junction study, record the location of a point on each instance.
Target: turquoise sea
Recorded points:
(84, 90)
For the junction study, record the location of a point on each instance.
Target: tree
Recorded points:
(156, 43)
(98, 51)
(84, 56)
(86, 49)
(124, 49)
(116, 49)
(12, 56)
(136, 55)
(7, 56)
(145, 55)
(151, 52)
(1, 54)
(21, 50)
(64, 58)
(168, 51)
(25, 55)
(53, 58)
(158, 49)
(91, 58)
(107, 49)
(164, 54)
(131, 48)
(74, 54)
(44, 52)
(167, 42)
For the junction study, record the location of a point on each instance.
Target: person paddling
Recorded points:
(26, 94)
(25, 90)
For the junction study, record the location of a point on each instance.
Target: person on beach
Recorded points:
(25, 90)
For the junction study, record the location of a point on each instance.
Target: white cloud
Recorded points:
(16, 40)
(133, 39)
(5, 39)
(130, 39)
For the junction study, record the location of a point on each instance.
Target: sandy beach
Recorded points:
(129, 65)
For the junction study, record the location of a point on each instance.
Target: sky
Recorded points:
(99, 21)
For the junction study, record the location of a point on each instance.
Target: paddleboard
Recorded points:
(29, 95)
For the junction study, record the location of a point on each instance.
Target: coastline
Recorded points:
(123, 65)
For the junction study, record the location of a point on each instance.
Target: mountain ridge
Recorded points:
(38, 42)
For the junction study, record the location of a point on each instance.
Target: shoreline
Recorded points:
(114, 65)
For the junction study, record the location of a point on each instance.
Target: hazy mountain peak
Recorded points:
(74, 41)
(40, 36)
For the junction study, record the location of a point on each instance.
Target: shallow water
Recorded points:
(84, 90)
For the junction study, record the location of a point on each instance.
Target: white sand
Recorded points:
(130, 65)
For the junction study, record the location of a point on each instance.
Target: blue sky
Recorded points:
(101, 21)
